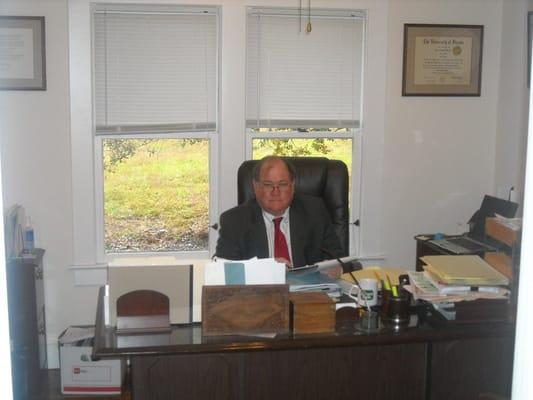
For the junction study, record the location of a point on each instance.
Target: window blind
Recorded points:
(300, 80)
(154, 71)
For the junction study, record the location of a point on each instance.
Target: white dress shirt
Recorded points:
(284, 227)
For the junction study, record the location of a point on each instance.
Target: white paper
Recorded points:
(75, 334)
(214, 273)
(265, 271)
(16, 57)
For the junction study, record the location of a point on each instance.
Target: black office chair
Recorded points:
(316, 176)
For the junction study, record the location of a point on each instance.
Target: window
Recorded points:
(155, 99)
(304, 89)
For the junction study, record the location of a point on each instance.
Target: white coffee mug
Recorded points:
(366, 294)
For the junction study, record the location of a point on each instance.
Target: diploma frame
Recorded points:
(449, 66)
(23, 64)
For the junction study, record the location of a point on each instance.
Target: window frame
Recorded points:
(211, 135)
(355, 133)
(86, 266)
(111, 257)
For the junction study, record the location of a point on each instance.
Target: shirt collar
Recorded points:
(271, 217)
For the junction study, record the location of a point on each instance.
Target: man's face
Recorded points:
(275, 190)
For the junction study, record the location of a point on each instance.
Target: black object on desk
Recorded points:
(425, 246)
(473, 242)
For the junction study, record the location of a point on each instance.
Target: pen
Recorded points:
(387, 282)
(394, 291)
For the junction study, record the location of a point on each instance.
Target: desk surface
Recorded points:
(420, 362)
(188, 338)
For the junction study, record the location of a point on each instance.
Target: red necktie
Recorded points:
(280, 243)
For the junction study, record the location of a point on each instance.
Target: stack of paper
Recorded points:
(265, 271)
(74, 334)
(512, 223)
(423, 288)
(467, 270)
(444, 288)
(313, 282)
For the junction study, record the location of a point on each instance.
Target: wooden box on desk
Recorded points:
(245, 309)
(312, 312)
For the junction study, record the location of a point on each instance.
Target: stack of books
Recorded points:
(448, 281)
(460, 274)
(465, 270)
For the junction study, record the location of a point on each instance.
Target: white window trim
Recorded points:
(366, 182)
(90, 262)
(99, 197)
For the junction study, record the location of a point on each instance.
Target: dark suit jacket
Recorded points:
(243, 233)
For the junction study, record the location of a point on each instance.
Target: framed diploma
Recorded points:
(442, 60)
(22, 53)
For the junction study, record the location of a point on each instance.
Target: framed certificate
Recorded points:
(442, 60)
(22, 55)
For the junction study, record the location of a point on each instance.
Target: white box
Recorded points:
(80, 375)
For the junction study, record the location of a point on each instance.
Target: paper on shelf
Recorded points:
(423, 289)
(74, 334)
(464, 270)
(511, 223)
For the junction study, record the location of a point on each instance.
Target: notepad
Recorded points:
(469, 270)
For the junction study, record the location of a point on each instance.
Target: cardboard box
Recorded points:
(80, 375)
(312, 312)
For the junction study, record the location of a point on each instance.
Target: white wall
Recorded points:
(440, 154)
(512, 122)
(35, 152)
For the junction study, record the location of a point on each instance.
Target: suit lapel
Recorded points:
(258, 233)
(298, 229)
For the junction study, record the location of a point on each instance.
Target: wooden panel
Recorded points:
(203, 376)
(461, 370)
(377, 372)
(501, 262)
(500, 232)
(340, 374)
(312, 312)
(245, 309)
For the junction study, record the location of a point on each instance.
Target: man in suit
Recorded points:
(249, 230)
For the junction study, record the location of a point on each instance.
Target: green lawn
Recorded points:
(157, 197)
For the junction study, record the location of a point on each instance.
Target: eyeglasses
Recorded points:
(282, 186)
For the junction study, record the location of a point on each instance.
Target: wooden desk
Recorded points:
(420, 362)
